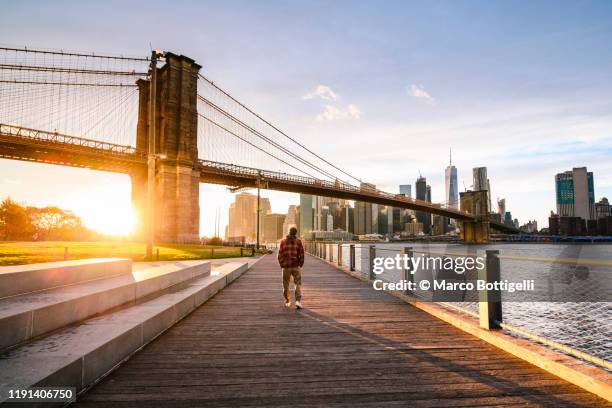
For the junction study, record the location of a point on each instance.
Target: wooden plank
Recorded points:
(350, 346)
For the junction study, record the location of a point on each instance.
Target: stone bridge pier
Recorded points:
(177, 203)
(477, 231)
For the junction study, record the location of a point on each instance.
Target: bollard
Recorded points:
(330, 250)
(339, 254)
(241, 252)
(489, 302)
(212, 253)
(352, 257)
(252, 251)
(372, 256)
(65, 253)
(157, 255)
(408, 275)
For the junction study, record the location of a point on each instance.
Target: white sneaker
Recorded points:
(298, 304)
(288, 304)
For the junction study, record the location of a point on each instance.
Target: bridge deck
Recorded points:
(350, 346)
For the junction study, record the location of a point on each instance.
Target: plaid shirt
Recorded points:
(291, 253)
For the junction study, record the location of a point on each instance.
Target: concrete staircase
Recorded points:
(62, 328)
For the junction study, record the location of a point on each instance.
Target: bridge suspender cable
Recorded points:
(254, 145)
(277, 129)
(267, 139)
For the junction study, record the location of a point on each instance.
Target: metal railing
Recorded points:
(35, 136)
(486, 307)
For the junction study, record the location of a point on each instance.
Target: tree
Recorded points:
(54, 223)
(215, 241)
(15, 224)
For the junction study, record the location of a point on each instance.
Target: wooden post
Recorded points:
(241, 252)
(352, 257)
(65, 253)
(489, 301)
(339, 254)
(157, 254)
(372, 256)
(408, 272)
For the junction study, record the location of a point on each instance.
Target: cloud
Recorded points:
(323, 92)
(419, 92)
(331, 112)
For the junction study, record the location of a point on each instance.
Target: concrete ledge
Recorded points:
(20, 279)
(27, 316)
(570, 369)
(79, 356)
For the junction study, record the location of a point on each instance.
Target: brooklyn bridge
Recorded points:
(169, 127)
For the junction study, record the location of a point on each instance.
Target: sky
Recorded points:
(523, 88)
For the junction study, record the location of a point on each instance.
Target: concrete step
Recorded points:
(80, 355)
(27, 316)
(20, 279)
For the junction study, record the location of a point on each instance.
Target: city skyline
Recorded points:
(527, 100)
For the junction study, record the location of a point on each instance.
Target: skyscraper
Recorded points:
(406, 189)
(480, 178)
(452, 193)
(273, 227)
(423, 193)
(575, 193)
(306, 214)
(501, 208)
(481, 182)
(290, 219)
(366, 214)
(243, 217)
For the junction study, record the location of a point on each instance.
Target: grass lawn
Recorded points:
(16, 253)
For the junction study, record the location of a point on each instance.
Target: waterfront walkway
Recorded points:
(351, 346)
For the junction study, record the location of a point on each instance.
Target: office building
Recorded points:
(531, 227)
(366, 214)
(481, 182)
(406, 189)
(243, 217)
(423, 193)
(501, 208)
(273, 227)
(306, 214)
(291, 219)
(575, 194)
(603, 208)
(450, 183)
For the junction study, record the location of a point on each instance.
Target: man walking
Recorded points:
(291, 259)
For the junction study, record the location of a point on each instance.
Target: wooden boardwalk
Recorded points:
(350, 346)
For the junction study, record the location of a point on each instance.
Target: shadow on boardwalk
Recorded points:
(350, 346)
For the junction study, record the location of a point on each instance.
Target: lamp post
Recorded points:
(258, 207)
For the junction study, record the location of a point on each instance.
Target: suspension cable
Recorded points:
(73, 54)
(267, 139)
(275, 128)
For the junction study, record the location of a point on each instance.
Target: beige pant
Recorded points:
(297, 280)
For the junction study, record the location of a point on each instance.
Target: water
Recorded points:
(575, 276)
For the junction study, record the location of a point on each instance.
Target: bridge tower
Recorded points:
(477, 231)
(177, 203)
